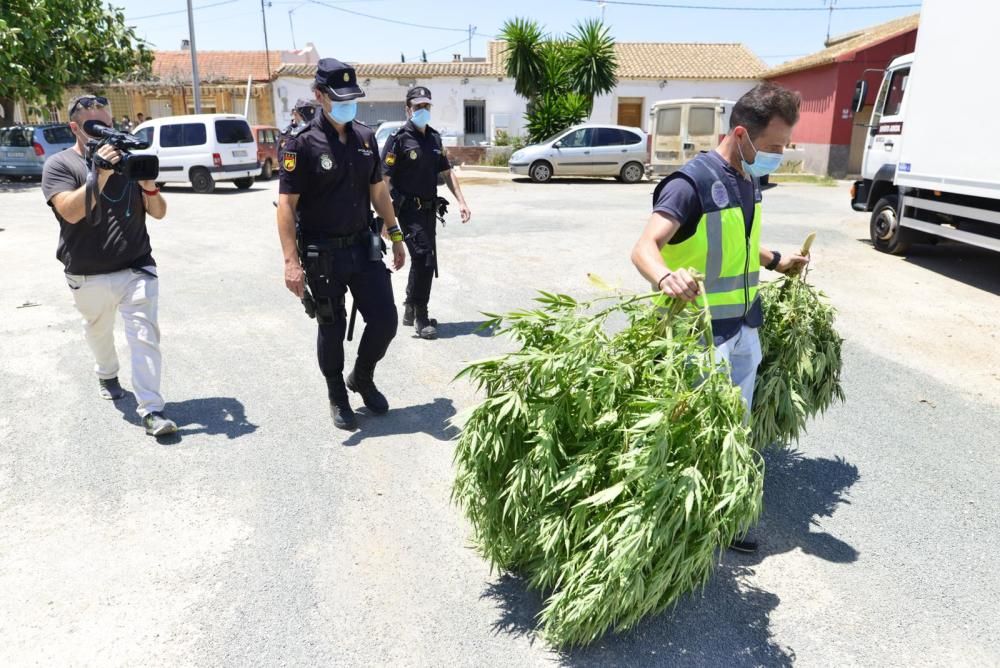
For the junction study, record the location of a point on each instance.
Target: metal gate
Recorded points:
(475, 122)
(373, 113)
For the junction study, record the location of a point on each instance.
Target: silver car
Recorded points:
(585, 150)
(24, 148)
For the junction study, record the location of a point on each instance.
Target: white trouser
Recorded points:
(744, 355)
(134, 294)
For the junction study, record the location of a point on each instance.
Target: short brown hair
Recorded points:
(757, 107)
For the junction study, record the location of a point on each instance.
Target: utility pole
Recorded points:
(267, 51)
(195, 77)
(472, 31)
(292, 27)
(603, 6)
(829, 20)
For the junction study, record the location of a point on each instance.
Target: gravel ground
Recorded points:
(261, 535)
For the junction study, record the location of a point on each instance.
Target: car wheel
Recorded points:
(266, 172)
(201, 181)
(244, 183)
(886, 234)
(632, 172)
(540, 172)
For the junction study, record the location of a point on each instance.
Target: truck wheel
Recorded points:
(887, 236)
(244, 183)
(632, 172)
(540, 172)
(201, 181)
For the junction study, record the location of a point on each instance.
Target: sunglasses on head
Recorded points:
(88, 102)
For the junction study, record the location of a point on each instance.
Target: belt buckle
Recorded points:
(420, 205)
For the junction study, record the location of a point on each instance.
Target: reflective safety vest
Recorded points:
(720, 248)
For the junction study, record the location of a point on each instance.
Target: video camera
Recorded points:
(132, 167)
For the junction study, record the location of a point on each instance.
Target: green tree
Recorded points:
(559, 76)
(48, 45)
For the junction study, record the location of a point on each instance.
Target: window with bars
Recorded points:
(475, 121)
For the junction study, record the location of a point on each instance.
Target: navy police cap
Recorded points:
(418, 95)
(338, 80)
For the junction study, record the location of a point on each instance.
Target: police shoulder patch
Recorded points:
(390, 159)
(288, 161)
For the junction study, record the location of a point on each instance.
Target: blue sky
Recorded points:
(775, 36)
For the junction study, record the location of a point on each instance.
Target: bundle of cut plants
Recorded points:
(799, 376)
(606, 464)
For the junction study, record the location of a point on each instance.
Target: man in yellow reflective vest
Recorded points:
(706, 216)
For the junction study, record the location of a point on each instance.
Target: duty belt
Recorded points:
(337, 242)
(419, 203)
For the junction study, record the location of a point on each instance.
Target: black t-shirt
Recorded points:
(118, 240)
(332, 179)
(413, 159)
(679, 200)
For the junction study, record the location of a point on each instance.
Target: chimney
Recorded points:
(456, 58)
(185, 45)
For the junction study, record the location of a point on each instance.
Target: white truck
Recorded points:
(931, 166)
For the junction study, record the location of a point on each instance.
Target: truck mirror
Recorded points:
(860, 93)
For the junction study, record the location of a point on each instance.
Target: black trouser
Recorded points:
(368, 281)
(419, 230)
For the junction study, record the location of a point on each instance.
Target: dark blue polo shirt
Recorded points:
(413, 159)
(331, 178)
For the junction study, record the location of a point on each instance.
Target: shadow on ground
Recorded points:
(974, 266)
(728, 624)
(576, 181)
(452, 330)
(431, 418)
(8, 186)
(213, 416)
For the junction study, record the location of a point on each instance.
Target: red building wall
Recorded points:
(817, 87)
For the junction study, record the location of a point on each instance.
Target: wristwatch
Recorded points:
(775, 261)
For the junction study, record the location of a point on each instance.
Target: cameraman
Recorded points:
(108, 259)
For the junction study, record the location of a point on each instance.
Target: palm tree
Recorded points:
(525, 61)
(592, 59)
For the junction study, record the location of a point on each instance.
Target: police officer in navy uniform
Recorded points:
(412, 159)
(302, 114)
(331, 176)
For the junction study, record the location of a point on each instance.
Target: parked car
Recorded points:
(267, 149)
(385, 129)
(25, 148)
(585, 150)
(201, 149)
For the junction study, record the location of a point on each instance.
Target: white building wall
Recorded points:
(654, 90)
(504, 108)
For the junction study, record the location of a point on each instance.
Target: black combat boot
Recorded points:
(407, 315)
(425, 326)
(362, 381)
(340, 407)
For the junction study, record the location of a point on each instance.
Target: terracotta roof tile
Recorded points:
(214, 66)
(636, 60)
(842, 48)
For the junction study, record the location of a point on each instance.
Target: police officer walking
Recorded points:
(412, 158)
(302, 114)
(331, 176)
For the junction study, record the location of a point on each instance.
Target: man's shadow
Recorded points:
(432, 418)
(727, 623)
(452, 330)
(213, 416)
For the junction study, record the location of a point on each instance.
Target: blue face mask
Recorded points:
(344, 112)
(421, 117)
(763, 164)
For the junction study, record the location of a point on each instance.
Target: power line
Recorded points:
(744, 8)
(396, 21)
(180, 11)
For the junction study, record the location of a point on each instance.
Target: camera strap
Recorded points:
(90, 194)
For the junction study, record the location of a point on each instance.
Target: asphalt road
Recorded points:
(263, 536)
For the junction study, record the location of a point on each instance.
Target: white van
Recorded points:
(201, 149)
(681, 129)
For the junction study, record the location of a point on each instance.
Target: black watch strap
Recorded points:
(775, 261)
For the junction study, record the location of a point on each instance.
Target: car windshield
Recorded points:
(553, 137)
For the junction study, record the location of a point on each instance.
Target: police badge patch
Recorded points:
(719, 194)
(326, 162)
(288, 161)
(413, 155)
(390, 159)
